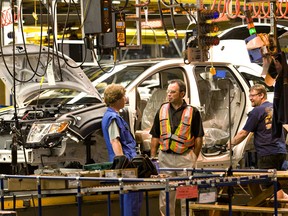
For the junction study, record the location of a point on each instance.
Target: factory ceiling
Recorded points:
(69, 16)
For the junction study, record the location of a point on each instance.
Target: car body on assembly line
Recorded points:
(232, 46)
(47, 85)
(216, 96)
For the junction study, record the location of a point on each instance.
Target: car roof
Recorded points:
(241, 32)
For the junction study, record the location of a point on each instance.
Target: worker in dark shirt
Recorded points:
(177, 133)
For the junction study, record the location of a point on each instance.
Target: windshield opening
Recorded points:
(61, 96)
(124, 76)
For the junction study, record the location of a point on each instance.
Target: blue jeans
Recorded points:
(133, 203)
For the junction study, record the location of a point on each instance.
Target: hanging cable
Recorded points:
(25, 49)
(17, 133)
(98, 61)
(173, 20)
(142, 4)
(3, 55)
(192, 20)
(191, 16)
(120, 9)
(48, 37)
(151, 28)
(265, 14)
(54, 47)
(62, 40)
(233, 15)
(283, 15)
(162, 20)
(171, 5)
(257, 12)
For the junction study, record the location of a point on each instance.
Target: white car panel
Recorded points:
(39, 68)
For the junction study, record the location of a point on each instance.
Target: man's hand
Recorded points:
(154, 158)
(154, 146)
(228, 146)
(117, 147)
(240, 136)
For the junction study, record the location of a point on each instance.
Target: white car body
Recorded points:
(139, 85)
(139, 94)
(210, 94)
(232, 48)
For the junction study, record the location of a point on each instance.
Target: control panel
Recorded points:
(97, 16)
(120, 27)
(106, 16)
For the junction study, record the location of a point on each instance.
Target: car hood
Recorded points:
(225, 52)
(37, 68)
(241, 32)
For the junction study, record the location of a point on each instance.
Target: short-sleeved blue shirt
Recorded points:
(260, 122)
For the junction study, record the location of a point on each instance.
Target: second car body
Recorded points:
(222, 99)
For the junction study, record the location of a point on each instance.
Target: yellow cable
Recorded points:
(42, 80)
(212, 69)
(115, 55)
(35, 13)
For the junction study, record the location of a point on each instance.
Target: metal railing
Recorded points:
(121, 185)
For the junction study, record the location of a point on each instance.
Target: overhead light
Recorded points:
(151, 24)
(116, 2)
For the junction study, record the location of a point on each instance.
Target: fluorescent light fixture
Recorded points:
(151, 24)
(116, 2)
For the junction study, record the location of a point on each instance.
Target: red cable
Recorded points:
(266, 15)
(256, 13)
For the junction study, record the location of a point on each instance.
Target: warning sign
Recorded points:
(187, 192)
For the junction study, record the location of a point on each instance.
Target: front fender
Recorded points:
(85, 121)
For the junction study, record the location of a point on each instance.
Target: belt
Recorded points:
(169, 151)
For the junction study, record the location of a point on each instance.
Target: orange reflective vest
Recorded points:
(181, 140)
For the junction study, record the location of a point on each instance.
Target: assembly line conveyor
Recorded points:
(202, 178)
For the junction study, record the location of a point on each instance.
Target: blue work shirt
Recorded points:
(260, 123)
(127, 140)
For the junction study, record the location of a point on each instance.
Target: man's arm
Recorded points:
(117, 147)
(198, 145)
(240, 136)
(114, 135)
(154, 146)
